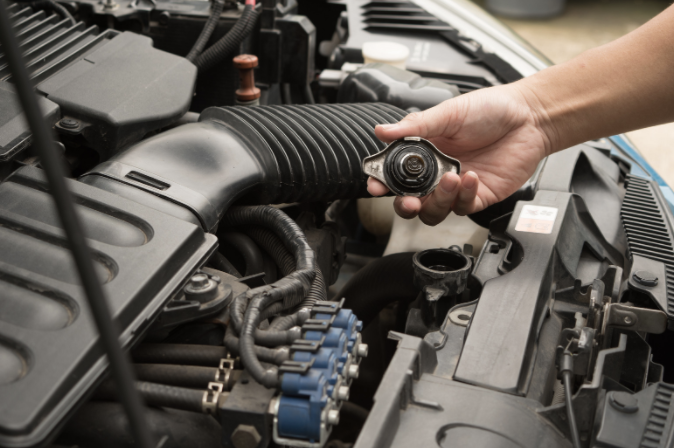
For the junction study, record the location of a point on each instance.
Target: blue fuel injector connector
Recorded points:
(316, 380)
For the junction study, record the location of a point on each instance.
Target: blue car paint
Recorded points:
(642, 168)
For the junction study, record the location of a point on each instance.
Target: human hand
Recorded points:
(498, 134)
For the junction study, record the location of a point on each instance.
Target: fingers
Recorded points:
(452, 194)
(467, 201)
(407, 207)
(376, 188)
(439, 203)
(427, 124)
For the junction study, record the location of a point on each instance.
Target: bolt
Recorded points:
(414, 165)
(353, 371)
(343, 393)
(645, 278)
(628, 320)
(199, 281)
(333, 417)
(245, 436)
(69, 123)
(362, 350)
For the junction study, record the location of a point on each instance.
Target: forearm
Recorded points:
(625, 85)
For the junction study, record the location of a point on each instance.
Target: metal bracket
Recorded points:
(635, 319)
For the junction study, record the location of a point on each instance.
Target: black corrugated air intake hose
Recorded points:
(229, 44)
(249, 155)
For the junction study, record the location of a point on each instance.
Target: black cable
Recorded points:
(207, 31)
(229, 43)
(54, 169)
(276, 355)
(309, 95)
(566, 368)
(291, 289)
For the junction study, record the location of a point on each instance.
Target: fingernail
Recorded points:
(449, 184)
(469, 182)
(387, 127)
(404, 207)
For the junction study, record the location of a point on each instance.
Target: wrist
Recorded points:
(541, 115)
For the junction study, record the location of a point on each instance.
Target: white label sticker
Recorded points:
(536, 219)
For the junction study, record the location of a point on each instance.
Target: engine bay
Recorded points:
(215, 154)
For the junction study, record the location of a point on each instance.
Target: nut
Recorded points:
(245, 436)
(353, 371)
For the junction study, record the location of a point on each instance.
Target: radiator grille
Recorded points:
(648, 232)
(49, 42)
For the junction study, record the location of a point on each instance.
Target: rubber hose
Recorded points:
(207, 31)
(188, 354)
(221, 263)
(381, 282)
(229, 43)
(271, 355)
(194, 377)
(157, 395)
(358, 412)
(271, 244)
(250, 252)
(101, 424)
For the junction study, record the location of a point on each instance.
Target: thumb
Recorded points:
(426, 124)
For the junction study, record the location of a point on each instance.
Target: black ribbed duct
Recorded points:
(252, 155)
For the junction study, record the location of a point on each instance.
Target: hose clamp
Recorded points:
(209, 403)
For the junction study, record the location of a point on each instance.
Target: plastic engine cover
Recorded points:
(49, 351)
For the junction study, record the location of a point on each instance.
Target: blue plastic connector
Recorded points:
(325, 361)
(346, 320)
(300, 407)
(334, 338)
